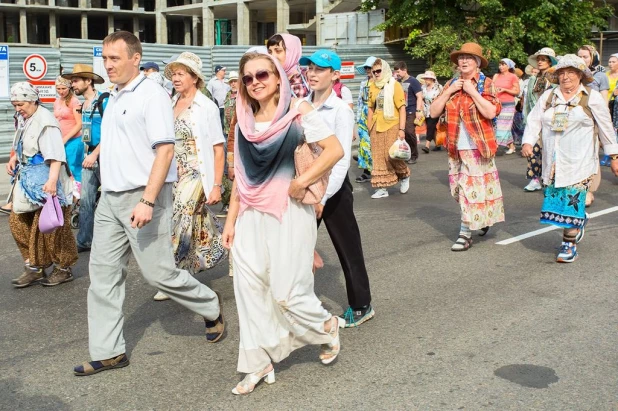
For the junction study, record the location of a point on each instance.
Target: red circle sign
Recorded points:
(35, 67)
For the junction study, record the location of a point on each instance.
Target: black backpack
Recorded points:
(98, 105)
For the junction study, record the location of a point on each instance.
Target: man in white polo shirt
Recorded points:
(337, 207)
(135, 210)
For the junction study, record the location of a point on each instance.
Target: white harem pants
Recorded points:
(278, 310)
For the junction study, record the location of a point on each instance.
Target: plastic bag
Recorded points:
(400, 150)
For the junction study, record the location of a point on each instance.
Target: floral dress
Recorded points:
(364, 144)
(196, 232)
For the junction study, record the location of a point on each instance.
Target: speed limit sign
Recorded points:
(35, 67)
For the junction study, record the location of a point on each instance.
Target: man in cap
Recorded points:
(135, 209)
(219, 88)
(83, 80)
(337, 206)
(414, 106)
(149, 67)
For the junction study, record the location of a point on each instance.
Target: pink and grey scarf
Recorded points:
(265, 161)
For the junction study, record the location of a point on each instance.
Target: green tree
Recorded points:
(513, 29)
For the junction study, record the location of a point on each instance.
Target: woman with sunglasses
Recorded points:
(272, 234)
(469, 103)
(387, 123)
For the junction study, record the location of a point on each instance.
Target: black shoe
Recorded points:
(355, 157)
(82, 249)
(437, 148)
(411, 161)
(425, 150)
(354, 318)
(363, 178)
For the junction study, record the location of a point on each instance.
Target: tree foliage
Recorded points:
(513, 28)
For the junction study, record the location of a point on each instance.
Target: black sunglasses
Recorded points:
(260, 75)
(378, 71)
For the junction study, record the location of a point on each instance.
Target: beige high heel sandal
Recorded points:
(248, 384)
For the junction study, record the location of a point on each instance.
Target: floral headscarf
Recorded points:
(61, 81)
(24, 91)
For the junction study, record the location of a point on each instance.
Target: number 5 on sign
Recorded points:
(35, 67)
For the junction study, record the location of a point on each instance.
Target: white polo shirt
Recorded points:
(137, 119)
(339, 117)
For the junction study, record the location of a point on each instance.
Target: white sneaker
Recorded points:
(405, 185)
(159, 296)
(380, 193)
(533, 185)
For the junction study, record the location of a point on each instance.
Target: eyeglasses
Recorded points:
(376, 72)
(260, 75)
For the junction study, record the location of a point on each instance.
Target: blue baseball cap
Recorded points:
(149, 65)
(323, 58)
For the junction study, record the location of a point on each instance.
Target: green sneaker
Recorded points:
(354, 318)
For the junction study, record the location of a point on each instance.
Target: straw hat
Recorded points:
(429, 74)
(472, 49)
(84, 71)
(232, 76)
(528, 70)
(191, 61)
(545, 51)
(573, 61)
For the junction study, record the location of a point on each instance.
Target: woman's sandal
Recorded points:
(425, 150)
(484, 231)
(248, 384)
(331, 350)
(93, 367)
(463, 243)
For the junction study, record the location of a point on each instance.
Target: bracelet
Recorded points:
(148, 203)
(217, 185)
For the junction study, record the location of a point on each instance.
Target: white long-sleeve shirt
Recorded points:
(575, 151)
(339, 117)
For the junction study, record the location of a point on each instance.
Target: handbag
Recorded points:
(51, 215)
(304, 157)
(441, 133)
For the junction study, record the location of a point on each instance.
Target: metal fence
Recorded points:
(73, 51)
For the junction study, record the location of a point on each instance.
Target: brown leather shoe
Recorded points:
(28, 277)
(58, 276)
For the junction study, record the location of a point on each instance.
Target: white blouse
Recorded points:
(575, 151)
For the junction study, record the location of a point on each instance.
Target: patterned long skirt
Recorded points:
(535, 163)
(475, 185)
(41, 250)
(565, 206)
(364, 142)
(504, 136)
(196, 232)
(518, 127)
(386, 171)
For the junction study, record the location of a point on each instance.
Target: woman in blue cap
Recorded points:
(362, 111)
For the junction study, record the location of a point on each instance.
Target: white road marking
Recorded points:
(551, 228)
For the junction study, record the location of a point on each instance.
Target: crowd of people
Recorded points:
(145, 162)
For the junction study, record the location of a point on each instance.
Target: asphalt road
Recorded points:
(499, 327)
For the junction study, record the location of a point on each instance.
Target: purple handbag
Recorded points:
(51, 215)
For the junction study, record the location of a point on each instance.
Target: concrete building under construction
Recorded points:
(182, 22)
